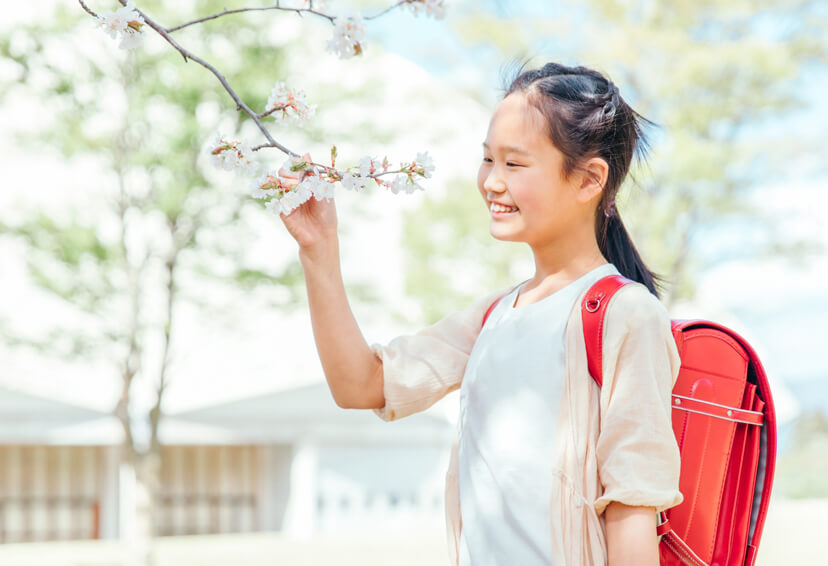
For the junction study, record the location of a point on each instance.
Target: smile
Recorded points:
(500, 210)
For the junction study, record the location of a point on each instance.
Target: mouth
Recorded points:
(499, 210)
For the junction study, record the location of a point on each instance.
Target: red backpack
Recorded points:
(725, 425)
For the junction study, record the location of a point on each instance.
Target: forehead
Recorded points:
(516, 124)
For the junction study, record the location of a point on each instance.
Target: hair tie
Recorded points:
(611, 98)
(608, 211)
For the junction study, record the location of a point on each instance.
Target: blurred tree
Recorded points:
(802, 471)
(166, 231)
(712, 73)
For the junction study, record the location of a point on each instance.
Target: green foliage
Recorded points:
(802, 471)
(69, 260)
(710, 74)
(144, 117)
(450, 251)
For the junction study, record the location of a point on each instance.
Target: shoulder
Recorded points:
(633, 307)
(637, 302)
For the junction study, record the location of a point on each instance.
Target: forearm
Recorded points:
(631, 535)
(353, 373)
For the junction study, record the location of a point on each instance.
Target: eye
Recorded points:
(487, 160)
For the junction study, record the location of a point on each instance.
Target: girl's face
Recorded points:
(523, 170)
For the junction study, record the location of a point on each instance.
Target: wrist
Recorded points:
(324, 252)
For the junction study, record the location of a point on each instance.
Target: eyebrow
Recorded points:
(511, 148)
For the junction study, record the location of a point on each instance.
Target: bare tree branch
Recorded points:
(155, 412)
(239, 10)
(132, 360)
(88, 11)
(240, 105)
(299, 11)
(272, 110)
(388, 9)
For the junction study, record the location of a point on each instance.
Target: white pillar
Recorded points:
(300, 520)
(126, 502)
(265, 492)
(108, 494)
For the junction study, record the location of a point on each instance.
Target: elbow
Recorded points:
(341, 402)
(363, 393)
(362, 402)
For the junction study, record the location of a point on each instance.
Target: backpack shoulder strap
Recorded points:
(494, 304)
(593, 310)
(490, 309)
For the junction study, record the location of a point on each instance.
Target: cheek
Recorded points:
(481, 177)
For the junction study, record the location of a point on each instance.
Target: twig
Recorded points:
(299, 11)
(85, 7)
(239, 10)
(240, 105)
(272, 110)
(388, 9)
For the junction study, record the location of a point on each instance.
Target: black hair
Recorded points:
(586, 117)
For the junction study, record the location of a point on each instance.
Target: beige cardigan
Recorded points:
(614, 443)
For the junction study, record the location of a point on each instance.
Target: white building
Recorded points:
(290, 461)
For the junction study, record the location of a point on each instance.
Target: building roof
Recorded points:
(309, 412)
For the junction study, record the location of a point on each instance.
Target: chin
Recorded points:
(505, 236)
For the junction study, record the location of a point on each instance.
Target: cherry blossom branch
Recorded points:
(268, 113)
(260, 9)
(389, 8)
(128, 23)
(299, 11)
(240, 105)
(88, 11)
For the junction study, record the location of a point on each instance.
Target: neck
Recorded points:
(561, 261)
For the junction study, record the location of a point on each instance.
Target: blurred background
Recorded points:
(157, 365)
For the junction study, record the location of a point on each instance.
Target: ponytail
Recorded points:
(617, 246)
(587, 117)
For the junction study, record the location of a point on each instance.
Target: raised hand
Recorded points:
(313, 223)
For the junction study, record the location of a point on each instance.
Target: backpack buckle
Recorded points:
(593, 303)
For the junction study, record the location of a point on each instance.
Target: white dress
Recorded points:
(511, 390)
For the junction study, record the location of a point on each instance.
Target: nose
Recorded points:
(493, 183)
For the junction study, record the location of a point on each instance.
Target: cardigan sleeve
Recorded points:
(638, 456)
(420, 369)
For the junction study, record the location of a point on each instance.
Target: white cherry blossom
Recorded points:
(233, 155)
(368, 165)
(264, 186)
(125, 22)
(351, 182)
(290, 200)
(436, 8)
(398, 184)
(349, 36)
(294, 108)
(322, 189)
(425, 161)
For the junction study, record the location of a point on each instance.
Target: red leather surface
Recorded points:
(769, 426)
(598, 297)
(721, 382)
(720, 455)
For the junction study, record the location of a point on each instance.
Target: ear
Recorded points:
(593, 178)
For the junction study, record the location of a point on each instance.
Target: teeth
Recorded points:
(500, 208)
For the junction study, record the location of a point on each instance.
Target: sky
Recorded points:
(778, 305)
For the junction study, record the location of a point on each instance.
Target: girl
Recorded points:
(548, 468)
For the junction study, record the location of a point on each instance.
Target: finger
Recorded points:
(287, 173)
